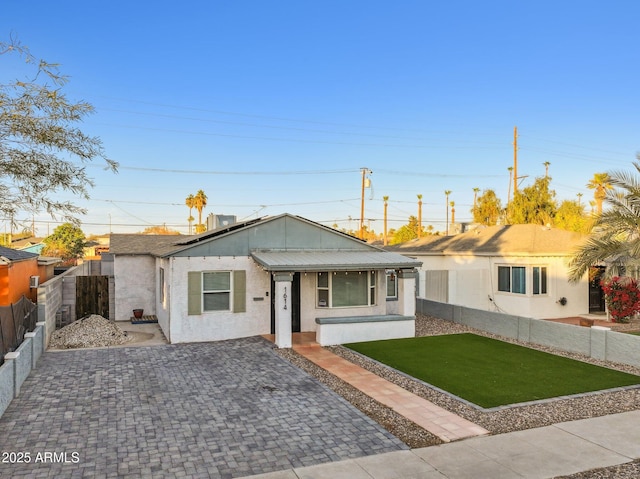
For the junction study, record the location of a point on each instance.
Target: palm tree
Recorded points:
(190, 202)
(546, 168)
(475, 198)
(419, 216)
(600, 183)
(199, 202)
(384, 235)
(446, 194)
(615, 236)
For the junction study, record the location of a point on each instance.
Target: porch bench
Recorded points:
(354, 329)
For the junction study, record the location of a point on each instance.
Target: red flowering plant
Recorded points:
(622, 296)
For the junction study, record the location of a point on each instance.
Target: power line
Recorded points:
(274, 127)
(294, 140)
(265, 173)
(264, 117)
(576, 156)
(435, 175)
(298, 172)
(232, 205)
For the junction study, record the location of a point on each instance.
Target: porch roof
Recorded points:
(332, 260)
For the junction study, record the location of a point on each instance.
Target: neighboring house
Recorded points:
(95, 247)
(31, 244)
(275, 275)
(516, 269)
(20, 274)
(33, 248)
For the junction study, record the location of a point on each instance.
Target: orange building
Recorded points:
(20, 274)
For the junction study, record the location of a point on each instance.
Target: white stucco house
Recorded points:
(272, 275)
(515, 269)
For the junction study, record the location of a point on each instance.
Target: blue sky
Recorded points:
(274, 107)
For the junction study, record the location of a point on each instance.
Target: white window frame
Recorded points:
(529, 279)
(392, 275)
(542, 282)
(371, 289)
(229, 291)
(511, 267)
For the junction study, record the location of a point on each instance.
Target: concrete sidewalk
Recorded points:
(546, 452)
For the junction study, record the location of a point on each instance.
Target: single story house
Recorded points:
(21, 272)
(271, 275)
(515, 269)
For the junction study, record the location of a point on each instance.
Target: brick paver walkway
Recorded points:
(213, 410)
(444, 424)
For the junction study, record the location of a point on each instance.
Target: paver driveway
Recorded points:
(224, 409)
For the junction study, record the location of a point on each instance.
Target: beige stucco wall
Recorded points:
(138, 285)
(218, 325)
(473, 280)
(135, 285)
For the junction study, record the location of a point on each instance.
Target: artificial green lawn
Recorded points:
(488, 372)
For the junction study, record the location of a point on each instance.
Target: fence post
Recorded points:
(12, 359)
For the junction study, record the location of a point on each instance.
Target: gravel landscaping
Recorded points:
(90, 332)
(506, 420)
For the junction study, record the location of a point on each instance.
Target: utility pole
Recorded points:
(515, 160)
(366, 182)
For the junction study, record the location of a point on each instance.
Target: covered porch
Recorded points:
(340, 296)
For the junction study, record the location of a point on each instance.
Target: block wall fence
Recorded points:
(595, 342)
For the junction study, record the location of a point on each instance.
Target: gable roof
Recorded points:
(8, 255)
(277, 243)
(511, 240)
(138, 244)
(201, 244)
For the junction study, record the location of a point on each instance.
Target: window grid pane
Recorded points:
(518, 278)
(504, 275)
(216, 301)
(349, 290)
(391, 286)
(216, 281)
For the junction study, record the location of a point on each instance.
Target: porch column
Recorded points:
(407, 291)
(282, 302)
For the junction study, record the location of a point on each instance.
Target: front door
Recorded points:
(596, 295)
(295, 304)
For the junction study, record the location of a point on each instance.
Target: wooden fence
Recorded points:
(15, 320)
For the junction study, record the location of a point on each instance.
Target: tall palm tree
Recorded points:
(615, 236)
(600, 183)
(190, 202)
(419, 216)
(446, 194)
(200, 201)
(546, 168)
(475, 198)
(384, 234)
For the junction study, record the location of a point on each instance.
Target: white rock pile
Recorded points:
(90, 332)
